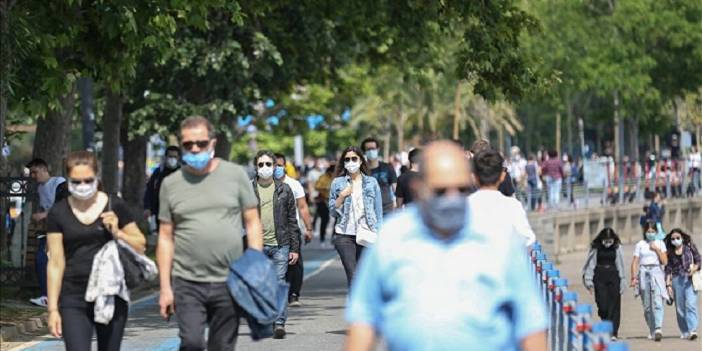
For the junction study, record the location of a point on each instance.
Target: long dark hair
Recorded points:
(606, 233)
(687, 240)
(341, 170)
(650, 224)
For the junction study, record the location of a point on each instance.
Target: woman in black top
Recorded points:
(77, 228)
(603, 275)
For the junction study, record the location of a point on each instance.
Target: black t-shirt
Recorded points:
(386, 177)
(404, 186)
(80, 244)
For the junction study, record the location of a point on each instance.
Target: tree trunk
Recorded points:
(558, 133)
(5, 54)
(52, 141)
(456, 110)
(570, 121)
(400, 129)
(223, 149)
(633, 133)
(85, 88)
(111, 128)
(134, 180)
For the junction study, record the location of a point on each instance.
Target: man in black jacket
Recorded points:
(170, 164)
(281, 233)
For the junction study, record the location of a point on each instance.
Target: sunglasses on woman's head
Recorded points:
(82, 181)
(188, 145)
(351, 159)
(265, 164)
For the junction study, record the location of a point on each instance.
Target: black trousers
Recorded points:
(294, 277)
(349, 252)
(198, 305)
(323, 214)
(78, 324)
(607, 296)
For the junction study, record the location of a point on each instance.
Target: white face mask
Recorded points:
(265, 172)
(352, 167)
(83, 191)
(677, 242)
(172, 162)
(607, 243)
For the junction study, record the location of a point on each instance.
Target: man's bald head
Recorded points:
(444, 166)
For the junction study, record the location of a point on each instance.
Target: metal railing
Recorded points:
(570, 324)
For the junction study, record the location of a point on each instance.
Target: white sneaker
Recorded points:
(42, 301)
(683, 336)
(650, 337)
(658, 335)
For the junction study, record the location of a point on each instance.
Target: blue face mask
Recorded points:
(197, 161)
(445, 213)
(651, 236)
(279, 172)
(372, 154)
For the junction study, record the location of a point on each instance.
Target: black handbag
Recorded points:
(133, 274)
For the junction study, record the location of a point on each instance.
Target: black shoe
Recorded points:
(279, 332)
(693, 336)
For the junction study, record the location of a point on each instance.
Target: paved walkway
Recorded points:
(633, 328)
(319, 325)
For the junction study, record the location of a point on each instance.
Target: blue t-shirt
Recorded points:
(420, 292)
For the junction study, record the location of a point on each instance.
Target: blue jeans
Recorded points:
(685, 304)
(554, 191)
(40, 263)
(279, 256)
(652, 308)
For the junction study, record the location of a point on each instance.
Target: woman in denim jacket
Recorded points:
(683, 262)
(355, 201)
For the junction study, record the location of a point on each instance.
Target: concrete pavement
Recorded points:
(633, 329)
(316, 325)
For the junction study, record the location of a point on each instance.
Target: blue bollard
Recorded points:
(546, 268)
(533, 254)
(600, 336)
(581, 327)
(564, 334)
(541, 258)
(557, 288)
(617, 346)
(556, 274)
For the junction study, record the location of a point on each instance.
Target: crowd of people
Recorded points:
(399, 231)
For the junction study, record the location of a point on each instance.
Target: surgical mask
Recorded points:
(279, 172)
(83, 191)
(199, 160)
(677, 242)
(607, 243)
(651, 236)
(352, 167)
(445, 213)
(172, 162)
(265, 172)
(372, 154)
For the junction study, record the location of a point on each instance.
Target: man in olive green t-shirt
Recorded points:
(202, 206)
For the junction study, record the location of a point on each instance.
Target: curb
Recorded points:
(9, 333)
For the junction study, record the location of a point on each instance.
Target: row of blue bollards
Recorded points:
(570, 324)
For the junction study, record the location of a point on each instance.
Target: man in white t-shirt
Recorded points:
(296, 271)
(490, 211)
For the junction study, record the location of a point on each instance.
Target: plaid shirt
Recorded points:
(680, 265)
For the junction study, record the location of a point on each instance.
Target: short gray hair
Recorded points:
(198, 121)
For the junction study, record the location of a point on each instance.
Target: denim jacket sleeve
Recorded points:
(333, 194)
(378, 204)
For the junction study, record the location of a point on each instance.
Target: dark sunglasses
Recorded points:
(351, 159)
(82, 181)
(442, 191)
(266, 164)
(201, 144)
